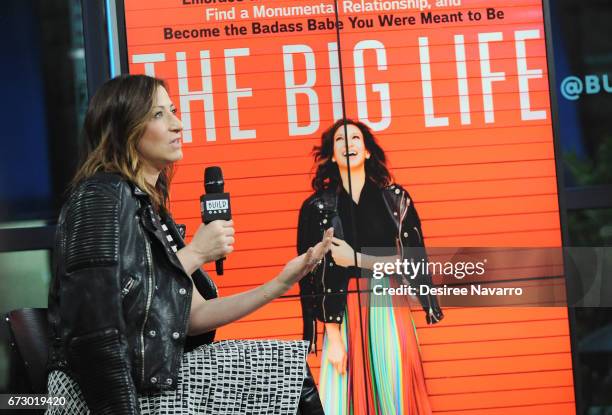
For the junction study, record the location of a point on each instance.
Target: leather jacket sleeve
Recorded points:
(322, 292)
(413, 247)
(90, 304)
(308, 291)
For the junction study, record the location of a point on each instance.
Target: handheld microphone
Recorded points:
(215, 204)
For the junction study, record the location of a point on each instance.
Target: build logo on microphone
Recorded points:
(217, 206)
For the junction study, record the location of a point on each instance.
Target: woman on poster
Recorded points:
(132, 315)
(370, 355)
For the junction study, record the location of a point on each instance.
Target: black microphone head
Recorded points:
(213, 180)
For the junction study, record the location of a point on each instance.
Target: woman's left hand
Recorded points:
(298, 267)
(342, 253)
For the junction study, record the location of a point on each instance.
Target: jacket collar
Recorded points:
(395, 198)
(328, 199)
(152, 223)
(203, 283)
(138, 192)
(396, 203)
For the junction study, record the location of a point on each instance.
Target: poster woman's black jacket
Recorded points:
(119, 300)
(323, 292)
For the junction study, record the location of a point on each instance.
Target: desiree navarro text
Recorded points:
(447, 291)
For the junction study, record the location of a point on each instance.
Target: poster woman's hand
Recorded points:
(336, 349)
(343, 253)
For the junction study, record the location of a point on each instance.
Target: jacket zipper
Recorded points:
(403, 212)
(399, 229)
(127, 287)
(323, 283)
(148, 306)
(313, 343)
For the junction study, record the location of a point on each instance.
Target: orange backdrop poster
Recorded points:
(457, 94)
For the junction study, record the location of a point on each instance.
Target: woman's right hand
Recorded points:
(336, 349)
(214, 240)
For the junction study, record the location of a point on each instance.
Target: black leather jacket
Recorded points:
(323, 292)
(119, 299)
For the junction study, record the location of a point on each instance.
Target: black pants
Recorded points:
(310, 402)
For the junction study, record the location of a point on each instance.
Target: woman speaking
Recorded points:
(131, 313)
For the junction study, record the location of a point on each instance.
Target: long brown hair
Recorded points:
(327, 175)
(115, 121)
